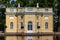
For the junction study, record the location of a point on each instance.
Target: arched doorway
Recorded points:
(29, 27)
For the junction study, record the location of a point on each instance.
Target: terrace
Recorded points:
(31, 34)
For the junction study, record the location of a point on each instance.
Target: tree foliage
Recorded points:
(24, 3)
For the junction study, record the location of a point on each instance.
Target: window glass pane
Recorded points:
(11, 25)
(46, 25)
(29, 25)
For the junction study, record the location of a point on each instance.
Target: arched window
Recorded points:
(11, 25)
(46, 25)
(29, 25)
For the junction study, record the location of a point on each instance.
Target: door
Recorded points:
(29, 28)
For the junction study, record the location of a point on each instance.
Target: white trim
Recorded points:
(29, 31)
(11, 17)
(46, 17)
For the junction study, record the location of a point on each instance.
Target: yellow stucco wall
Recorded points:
(31, 18)
(8, 23)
